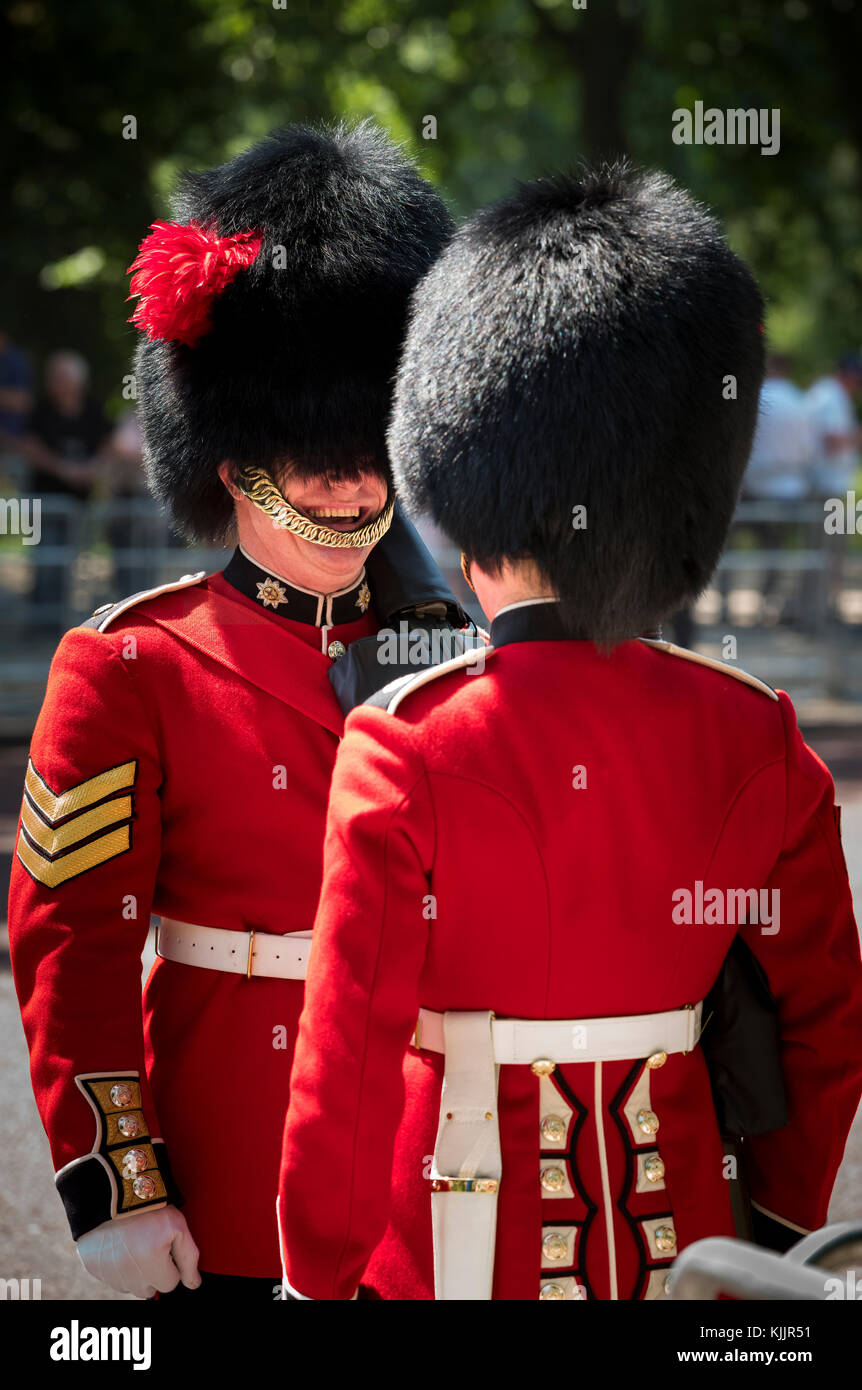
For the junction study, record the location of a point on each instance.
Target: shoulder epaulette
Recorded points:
(721, 666)
(109, 612)
(390, 697)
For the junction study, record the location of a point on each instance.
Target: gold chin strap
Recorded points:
(259, 488)
(465, 570)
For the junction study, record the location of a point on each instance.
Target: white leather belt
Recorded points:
(467, 1163)
(246, 953)
(527, 1040)
(467, 1166)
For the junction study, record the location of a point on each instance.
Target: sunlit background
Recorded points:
(482, 94)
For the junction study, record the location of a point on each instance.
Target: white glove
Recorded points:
(139, 1254)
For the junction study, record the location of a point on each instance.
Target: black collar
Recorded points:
(529, 622)
(539, 622)
(277, 595)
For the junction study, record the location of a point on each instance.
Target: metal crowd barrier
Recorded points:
(105, 549)
(90, 553)
(94, 552)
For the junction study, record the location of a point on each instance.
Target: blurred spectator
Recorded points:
(783, 450)
(66, 446)
(837, 433)
(128, 485)
(16, 391)
(126, 450)
(779, 470)
(68, 430)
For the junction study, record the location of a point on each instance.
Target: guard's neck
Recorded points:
(517, 581)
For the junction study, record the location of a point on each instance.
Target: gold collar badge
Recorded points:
(271, 593)
(363, 598)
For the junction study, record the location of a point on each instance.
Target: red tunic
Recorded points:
(211, 728)
(469, 865)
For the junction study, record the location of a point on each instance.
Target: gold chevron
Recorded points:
(51, 841)
(53, 872)
(54, 806)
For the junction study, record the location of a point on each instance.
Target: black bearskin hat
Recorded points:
(589, 342)
(274, 310)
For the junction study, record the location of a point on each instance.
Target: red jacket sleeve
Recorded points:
(81, 892)
(370, 939)
(813, 966)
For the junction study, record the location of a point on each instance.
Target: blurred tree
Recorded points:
(79, 193)
(515, 87)
(600, 48)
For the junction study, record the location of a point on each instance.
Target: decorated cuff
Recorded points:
(126, 1170)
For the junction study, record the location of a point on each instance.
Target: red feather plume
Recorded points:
(179, 271)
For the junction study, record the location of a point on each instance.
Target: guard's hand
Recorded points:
(142, 1253)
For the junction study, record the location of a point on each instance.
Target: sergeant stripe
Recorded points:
(52, 841)
(53, 872)
(54, 806)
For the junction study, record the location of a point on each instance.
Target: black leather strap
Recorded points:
(772, 1234)
(404, 576)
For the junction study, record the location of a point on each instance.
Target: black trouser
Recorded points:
(233, 1286)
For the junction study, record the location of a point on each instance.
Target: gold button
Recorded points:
(648, 1121)
(335, 650)
(134, 1161)
(129, 1126)
(121, 1094)
(657, 1059)
(555, 1246)
(144, 1187)
(554, 1129)
(665, 1237)
(553, 1179)
(543, 1067)
(653, 1168)
(552, 1291)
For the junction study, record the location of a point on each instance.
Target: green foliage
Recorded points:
(517, 87)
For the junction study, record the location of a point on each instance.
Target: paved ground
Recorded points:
(34, 1239)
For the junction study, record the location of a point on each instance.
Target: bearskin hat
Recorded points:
(273, 310)
(590, 342)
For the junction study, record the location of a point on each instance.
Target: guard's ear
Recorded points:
(465, 569)
(226, 471)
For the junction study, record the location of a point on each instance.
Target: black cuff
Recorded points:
(126, 1169)
(92, 1195)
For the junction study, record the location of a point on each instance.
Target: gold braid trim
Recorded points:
(259, 488)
